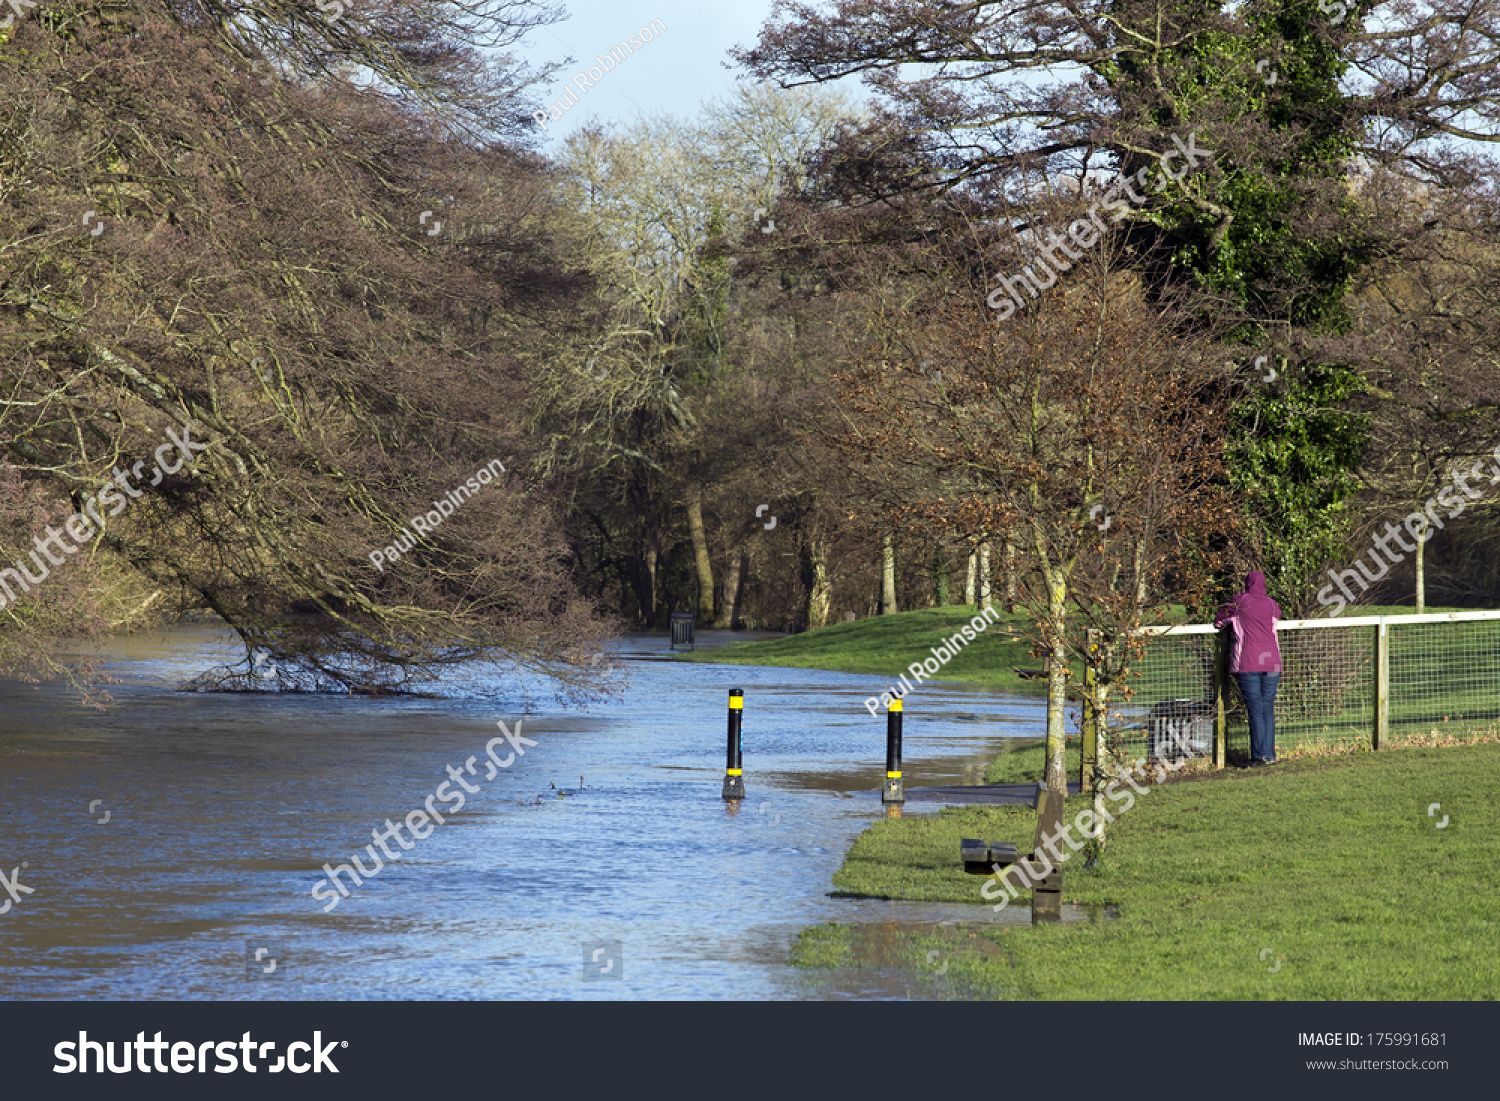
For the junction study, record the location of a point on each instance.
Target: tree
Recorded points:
(191, 250)
(663, 208)
(443, 59)
(1429, 345)
(1086, 426)
(1295, 100)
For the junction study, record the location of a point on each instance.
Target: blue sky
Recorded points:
(675, 73)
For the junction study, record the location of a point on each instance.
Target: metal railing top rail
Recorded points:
(1332, 621)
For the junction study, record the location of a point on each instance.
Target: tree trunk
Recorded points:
(700, 555)
(1055, 577)
(1100, 780)
(940, 569)
(1421, 581)
(971, 579)
(819, 592)
(734, 582)
(1140, 574)
(1057, 684)
(887, 575)
(984, 576)
(650, 557)
(1010, 576)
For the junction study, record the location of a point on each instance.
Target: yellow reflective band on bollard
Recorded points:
(736, 703)
(734, 772)
(895, 705)
(893, 775)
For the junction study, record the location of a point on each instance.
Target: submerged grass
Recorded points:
(1322, 878)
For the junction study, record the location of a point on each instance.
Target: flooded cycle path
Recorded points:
(171, 844)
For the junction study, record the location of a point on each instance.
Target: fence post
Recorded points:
(1090, 755)
(1221, 710)
(1382, 731)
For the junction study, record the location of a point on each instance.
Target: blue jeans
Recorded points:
(1259, 690)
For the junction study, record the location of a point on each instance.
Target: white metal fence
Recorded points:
(1367, 679)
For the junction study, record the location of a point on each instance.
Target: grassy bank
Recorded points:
(887, 645)
(1320, 878)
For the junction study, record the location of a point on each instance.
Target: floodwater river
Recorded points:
(171, 843)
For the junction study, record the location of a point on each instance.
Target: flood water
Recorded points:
(175, 837)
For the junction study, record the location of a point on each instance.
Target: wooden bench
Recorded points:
(980, 858)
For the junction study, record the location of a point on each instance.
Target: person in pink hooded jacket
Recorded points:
(1255, 661)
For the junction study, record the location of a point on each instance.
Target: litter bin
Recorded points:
(1180, 728)
(682, 630)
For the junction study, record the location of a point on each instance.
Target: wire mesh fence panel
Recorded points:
(1444, 676)
(1327, 691)
(1173, 680)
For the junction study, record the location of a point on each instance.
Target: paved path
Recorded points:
(1009, 794)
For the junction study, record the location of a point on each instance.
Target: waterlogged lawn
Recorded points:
(1322, 878)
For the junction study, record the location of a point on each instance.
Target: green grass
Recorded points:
(1329, 867)
(886, 645)
(823, 946)
(1029, 762)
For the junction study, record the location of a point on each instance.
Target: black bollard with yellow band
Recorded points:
(895, 791)
(734, 780)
